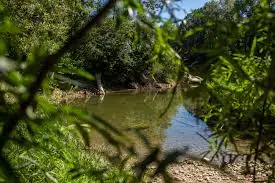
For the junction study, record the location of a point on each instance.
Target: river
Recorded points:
(176, 129)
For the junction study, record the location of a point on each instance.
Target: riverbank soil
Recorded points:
(191, 171)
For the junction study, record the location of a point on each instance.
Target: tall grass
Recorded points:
(55, 153)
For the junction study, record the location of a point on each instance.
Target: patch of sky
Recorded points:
(183, 7)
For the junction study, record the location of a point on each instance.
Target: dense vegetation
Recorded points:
(237, 51)
(230, 43)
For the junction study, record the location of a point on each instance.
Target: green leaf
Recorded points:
(253, 47)
(83, 73)
(15, 78)
(8, 27)
(192, 32)
(78, 72)
(46, 105)
(84, 134)
(3, 47)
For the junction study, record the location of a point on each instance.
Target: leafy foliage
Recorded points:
(235, 39)
(241, 103)
(47, 22)
(37, 137)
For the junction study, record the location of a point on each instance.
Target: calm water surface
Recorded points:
(177, 129)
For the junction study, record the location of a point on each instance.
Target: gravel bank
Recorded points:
(197, 171)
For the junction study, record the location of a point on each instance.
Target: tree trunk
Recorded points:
(99, 84)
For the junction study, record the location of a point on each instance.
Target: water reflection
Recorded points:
(175, 130)
(184, 133)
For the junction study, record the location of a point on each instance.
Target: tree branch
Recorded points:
(47, 64)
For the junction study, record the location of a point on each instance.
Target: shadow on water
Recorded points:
(177, 129)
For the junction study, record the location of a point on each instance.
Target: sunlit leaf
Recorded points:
(253, 47)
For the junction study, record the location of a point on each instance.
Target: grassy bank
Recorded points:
(55, 153)
(52, 148)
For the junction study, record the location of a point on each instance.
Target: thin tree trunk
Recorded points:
(99, 84)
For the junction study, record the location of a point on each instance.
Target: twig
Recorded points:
(47, 64)
(260, 131)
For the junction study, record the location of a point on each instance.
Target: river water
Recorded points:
(176, 129)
